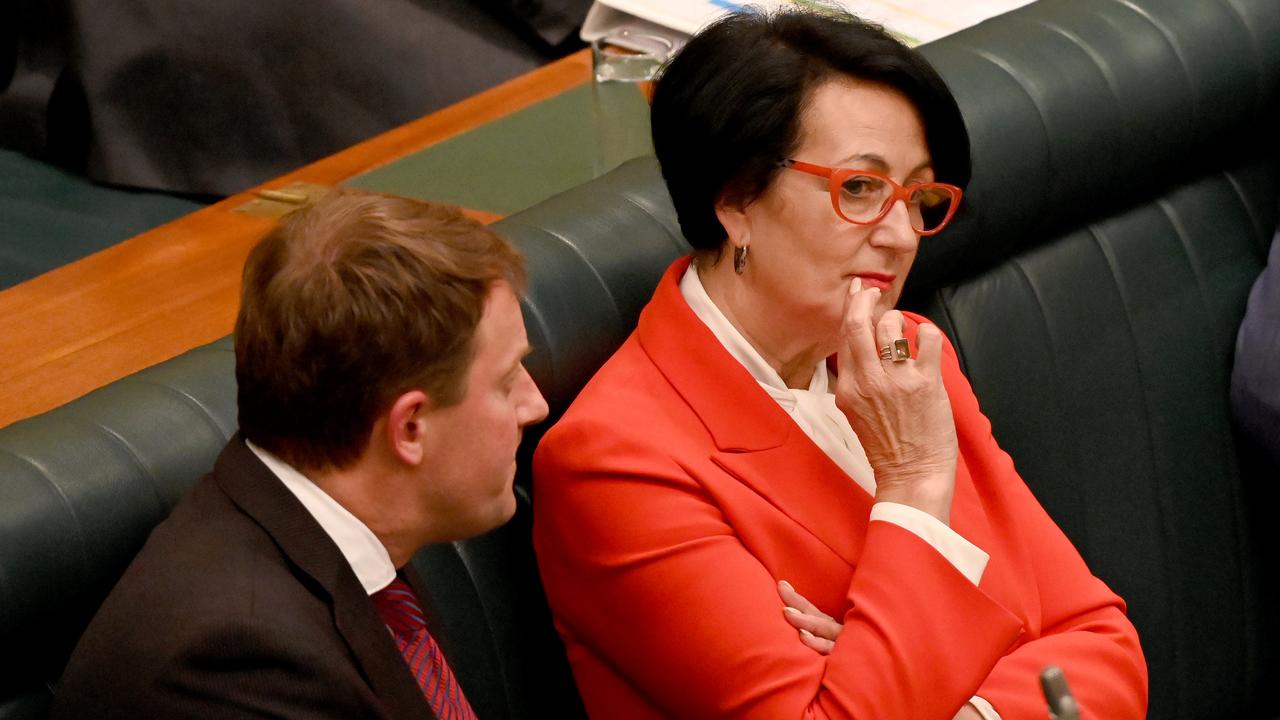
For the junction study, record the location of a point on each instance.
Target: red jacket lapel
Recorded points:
(756, 441)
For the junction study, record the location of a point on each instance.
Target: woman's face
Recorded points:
(802, 255)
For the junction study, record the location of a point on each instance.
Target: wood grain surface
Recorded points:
(157, 295)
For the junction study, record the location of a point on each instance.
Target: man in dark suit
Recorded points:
(1255, 378)
(381, 395)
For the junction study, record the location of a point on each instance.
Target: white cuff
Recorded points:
(968, 558)
(984, 708)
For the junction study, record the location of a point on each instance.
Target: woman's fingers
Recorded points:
(818, 633)
(929, 349)
(821, 625)
(859, 346)
(793, 599)
(818, 630)
(892, 326)
(817, 644)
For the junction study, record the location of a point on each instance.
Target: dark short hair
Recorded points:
(351, 302)
(727, 108)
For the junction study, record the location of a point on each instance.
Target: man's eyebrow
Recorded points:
(515, 364)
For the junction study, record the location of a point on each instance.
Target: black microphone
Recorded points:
(1062, 705)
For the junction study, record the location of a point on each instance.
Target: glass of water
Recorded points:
(627, 56)
(620, 62)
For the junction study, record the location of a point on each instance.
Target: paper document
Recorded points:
(914, 21)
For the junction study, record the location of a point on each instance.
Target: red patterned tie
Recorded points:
(402, 614)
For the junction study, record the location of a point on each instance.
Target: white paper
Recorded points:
(915, 21)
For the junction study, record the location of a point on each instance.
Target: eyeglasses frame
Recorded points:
(837, 176)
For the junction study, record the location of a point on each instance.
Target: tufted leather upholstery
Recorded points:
(80, 489)
(1124, 195)
(1124, 191)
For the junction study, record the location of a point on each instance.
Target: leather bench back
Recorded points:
(1124, 195)
(81, 487)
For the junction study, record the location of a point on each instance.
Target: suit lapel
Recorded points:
(371, 643)
(805, 485)
(756, 441)
(257, 491)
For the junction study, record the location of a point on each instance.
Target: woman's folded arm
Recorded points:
(641, 567)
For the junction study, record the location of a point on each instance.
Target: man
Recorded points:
(381, 400)
(1255, 378)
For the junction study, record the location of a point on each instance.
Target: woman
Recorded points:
(775, 426)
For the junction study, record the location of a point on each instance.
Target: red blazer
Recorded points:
(674, 494)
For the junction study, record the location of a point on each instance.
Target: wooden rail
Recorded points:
(157, 295)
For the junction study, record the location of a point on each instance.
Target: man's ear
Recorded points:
(406, 430)
(732, 215)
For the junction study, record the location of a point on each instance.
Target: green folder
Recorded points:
(518, 160)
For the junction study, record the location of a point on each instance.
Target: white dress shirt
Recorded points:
(814, 411)
(363, 550)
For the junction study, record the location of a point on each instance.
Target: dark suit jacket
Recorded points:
(239, 605)
(1255, 378)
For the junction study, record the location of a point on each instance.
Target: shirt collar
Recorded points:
(702, 305)
(813, 409)
(363, 550)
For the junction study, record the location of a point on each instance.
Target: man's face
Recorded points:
(471, 446)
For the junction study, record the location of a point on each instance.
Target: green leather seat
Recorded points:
(1124, 196)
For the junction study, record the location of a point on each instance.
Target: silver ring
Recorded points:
(898, 351)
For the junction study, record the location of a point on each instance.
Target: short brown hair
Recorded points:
(351, 302)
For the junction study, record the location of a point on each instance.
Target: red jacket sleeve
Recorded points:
(644, 573)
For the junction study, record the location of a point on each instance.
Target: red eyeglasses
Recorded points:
(863, 197)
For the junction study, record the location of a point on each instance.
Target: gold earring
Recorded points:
(740, 259)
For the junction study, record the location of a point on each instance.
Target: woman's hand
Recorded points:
(818, 630)
(899, 410)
